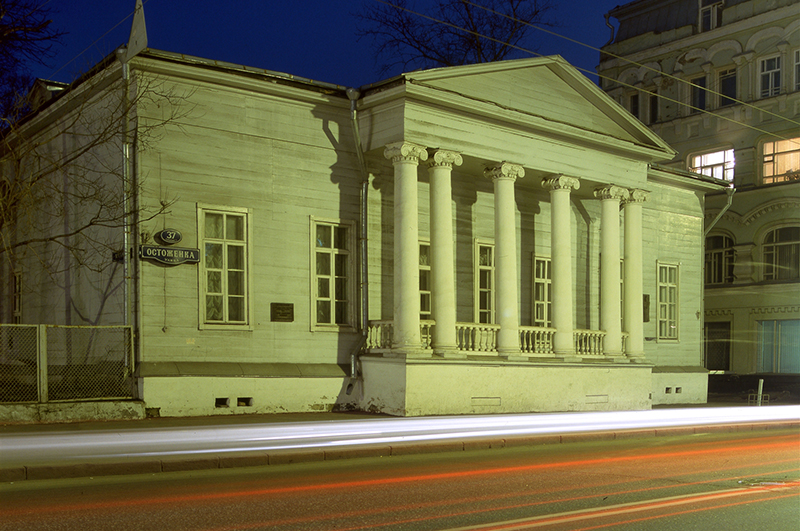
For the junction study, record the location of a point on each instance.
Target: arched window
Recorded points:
(781, 254)
(719, 260)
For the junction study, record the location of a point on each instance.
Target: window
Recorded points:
(777, 346)
(717, 346)
(718, 164)
(633, 102)
(653, 118)
(224, 266)
(710, 15)
(484, 272)
(542, 292)
(770, 75)
(726, 83)
(797, 70)
(667, 301)
(719, 260)
(17, 298)
(781, 161)
(781, 254)
(334, 289)
(698, 95)
(425, 281)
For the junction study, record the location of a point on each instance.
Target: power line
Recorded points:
(477, 34)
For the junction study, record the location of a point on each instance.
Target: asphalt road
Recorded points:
(741, 480)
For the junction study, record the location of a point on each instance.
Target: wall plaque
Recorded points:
(281, 312)
(169, 255)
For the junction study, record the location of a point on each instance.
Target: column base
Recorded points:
(516, 357)
(409, 353)
(450, 353)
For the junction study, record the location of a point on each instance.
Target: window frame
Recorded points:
(477, 278)
(774, 157)
(793, 245)
(698, 94)
(425, 272)
(547, 282)
(699, 163)
(203, 322)
(774, 89)
(351, 302)
(724, 99)
(712, 8)
(663, 306)
(723, 259)
(797, 70)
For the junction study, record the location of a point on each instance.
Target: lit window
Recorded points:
(727, 87)
(667, 301)
(542, 292)
(777, 346)
(223, 268)
(698, 95)
(770, 75)
(484, 287)
(710, 15)
(425, 281)
(781, 161)
(781, 252)
(719, 260)
(332, 276)
(718, 164)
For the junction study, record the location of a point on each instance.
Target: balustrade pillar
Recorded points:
(610, 295)
(634, 305)
(443, 294)
(560, 187)
(405, 157)
(505, 233)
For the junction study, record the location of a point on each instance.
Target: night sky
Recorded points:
(314, 39)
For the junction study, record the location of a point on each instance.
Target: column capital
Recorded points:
(612, 192)
(561, 182)
(638, 196)
(405, 152)
(443, 157)
(504, 170)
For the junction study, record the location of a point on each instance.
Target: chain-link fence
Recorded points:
(47, 363)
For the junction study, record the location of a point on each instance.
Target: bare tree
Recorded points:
(449, 33)
(67, 196)
(26, 36)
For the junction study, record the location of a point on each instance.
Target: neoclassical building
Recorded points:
(720, 82)
(477, 239)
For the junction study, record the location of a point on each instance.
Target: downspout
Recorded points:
(354, 95)
(730, 191)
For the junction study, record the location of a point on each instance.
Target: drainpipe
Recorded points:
(730, 191)
(354, 95)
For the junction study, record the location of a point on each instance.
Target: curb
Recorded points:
(306, 455)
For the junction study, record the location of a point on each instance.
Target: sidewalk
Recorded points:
(315, 449)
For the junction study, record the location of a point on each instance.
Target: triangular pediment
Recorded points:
(545, 90)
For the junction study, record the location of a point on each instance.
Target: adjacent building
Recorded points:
(476, 239)
(719, 81)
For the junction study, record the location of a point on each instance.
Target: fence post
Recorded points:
(41, 361)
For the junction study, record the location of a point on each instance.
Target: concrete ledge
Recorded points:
(304, 455)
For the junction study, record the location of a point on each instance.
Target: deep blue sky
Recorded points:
(308, 38)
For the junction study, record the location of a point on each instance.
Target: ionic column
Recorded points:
(634, 310)
(443, 293)
(560, 187)
(505, 252)
(405, 157)
(610, 296)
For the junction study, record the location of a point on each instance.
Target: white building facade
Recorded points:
(477, 239)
